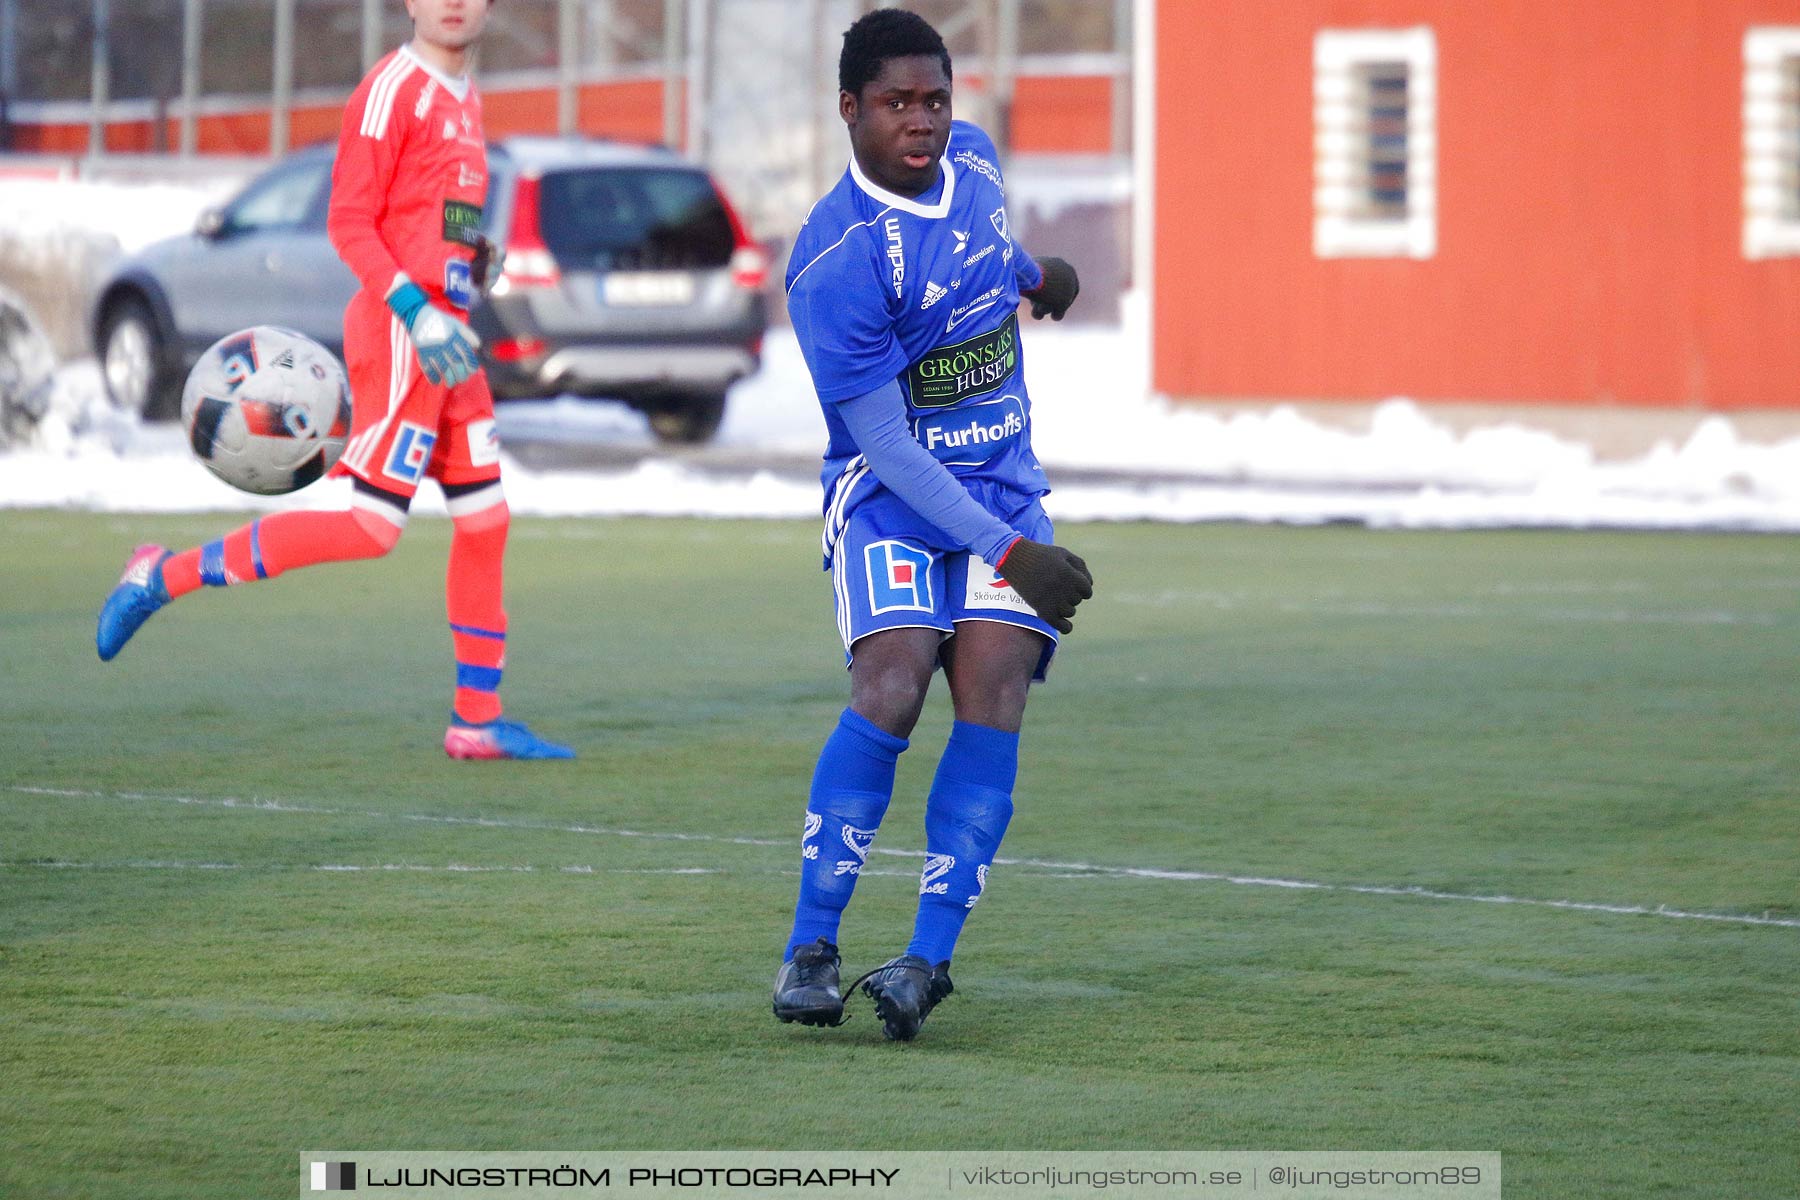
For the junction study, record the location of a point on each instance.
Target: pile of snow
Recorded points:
(1156, 462)
(52, 213)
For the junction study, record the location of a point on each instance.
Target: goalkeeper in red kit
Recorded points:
(407, 190)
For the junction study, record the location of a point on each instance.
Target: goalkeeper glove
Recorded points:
(1048, 578)
(1056, 292)
(445, 345)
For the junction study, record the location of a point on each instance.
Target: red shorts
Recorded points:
(405, 427)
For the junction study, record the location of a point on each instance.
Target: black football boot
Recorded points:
(905, 990)
(806, 986)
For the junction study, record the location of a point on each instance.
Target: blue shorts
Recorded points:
(891, 570)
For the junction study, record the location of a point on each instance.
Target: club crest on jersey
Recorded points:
(412, 450)
(998, 217)
(899, 577)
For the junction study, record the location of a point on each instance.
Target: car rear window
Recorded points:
(634, 219)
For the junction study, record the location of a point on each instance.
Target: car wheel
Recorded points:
(688, 419)
(132, 362)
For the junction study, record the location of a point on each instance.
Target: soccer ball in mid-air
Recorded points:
(267, 410)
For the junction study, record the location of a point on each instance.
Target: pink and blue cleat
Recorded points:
(140, 593)
(498, 739)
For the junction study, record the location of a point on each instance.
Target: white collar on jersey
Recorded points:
(882, 196)
(456, 85)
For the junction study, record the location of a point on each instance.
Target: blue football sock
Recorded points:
(850, 791)
(970, 805)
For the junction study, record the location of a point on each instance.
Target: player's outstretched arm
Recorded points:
(1055, 292)
(877, 422)
(1048, 578)
(445, 344)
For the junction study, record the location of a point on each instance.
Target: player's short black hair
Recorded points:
(883, 34)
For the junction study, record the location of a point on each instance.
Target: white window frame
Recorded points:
(1340, 145)
(1771, 142)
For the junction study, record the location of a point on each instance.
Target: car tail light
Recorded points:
(749, 261)
(529, 263)
(514, 349)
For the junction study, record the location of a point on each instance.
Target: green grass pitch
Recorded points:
(187, 999)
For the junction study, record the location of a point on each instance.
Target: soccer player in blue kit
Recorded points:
(904, 287)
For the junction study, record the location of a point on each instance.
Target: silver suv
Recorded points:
(628, 276)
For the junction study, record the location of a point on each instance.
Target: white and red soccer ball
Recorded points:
(267, 410)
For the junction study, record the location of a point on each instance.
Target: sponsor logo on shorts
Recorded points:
(899, 577)
(985, 589)
(412, 451)
(484, 443)
(972, 434)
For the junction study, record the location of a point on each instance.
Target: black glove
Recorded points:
(1048, 578)
(484, 268)
(1056, 293)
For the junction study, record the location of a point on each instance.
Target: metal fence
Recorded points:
(728, 59)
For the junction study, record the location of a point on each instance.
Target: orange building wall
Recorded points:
(1589, 212)
(1051, 115)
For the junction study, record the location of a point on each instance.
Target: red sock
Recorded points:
(472, 597)
(279, 542)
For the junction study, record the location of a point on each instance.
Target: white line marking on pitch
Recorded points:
(153, 864)
(1069, 870)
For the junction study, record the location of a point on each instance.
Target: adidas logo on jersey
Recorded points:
(933, 293)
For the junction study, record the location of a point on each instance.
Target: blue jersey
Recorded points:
(923, 290)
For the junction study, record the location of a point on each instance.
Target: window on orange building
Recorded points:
(1375, 143)
(1772, 142)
